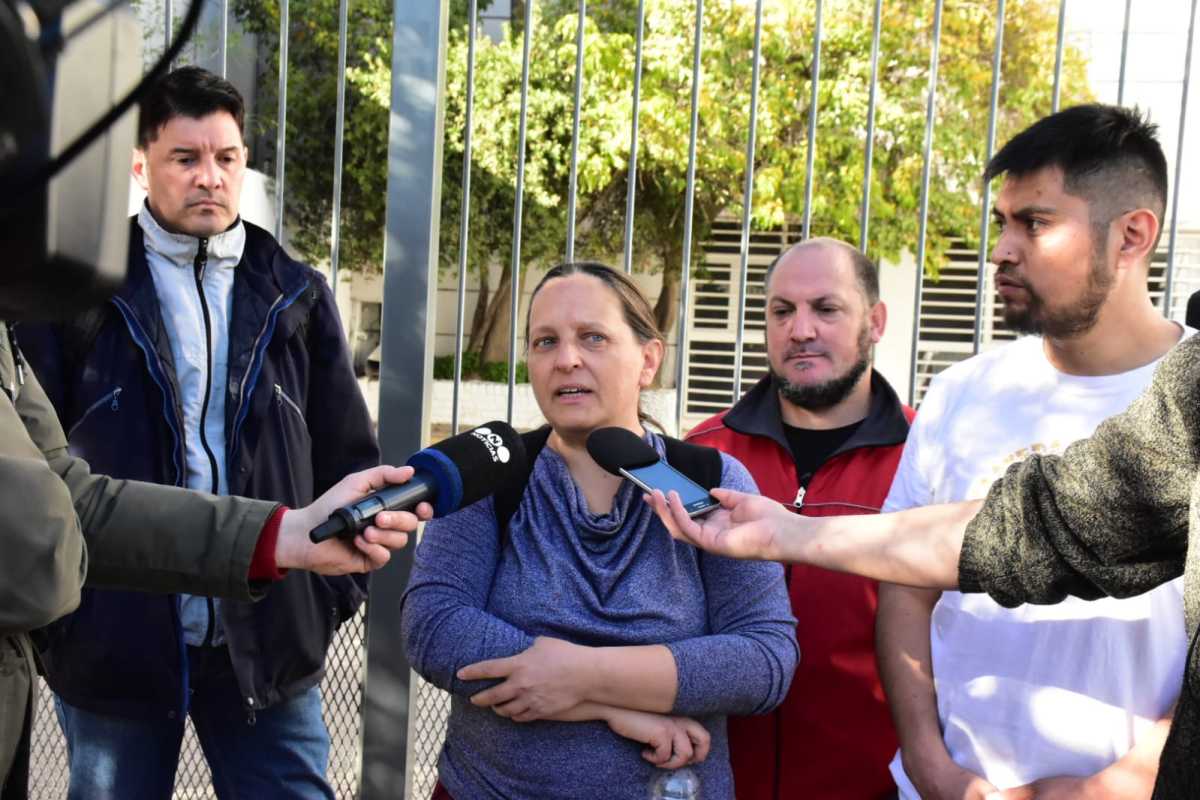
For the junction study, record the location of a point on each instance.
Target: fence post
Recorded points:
(409, 290)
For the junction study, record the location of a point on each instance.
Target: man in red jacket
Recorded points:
(823, 433)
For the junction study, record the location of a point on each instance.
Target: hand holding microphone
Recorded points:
(453, 473)
(369, 550)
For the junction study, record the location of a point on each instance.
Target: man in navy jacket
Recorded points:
(220, 366)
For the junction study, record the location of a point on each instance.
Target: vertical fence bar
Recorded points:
(930, 107)
(864, 213)
(1169, 278)
(681, 341)
(1124, 54)
(986, 201)
(747, 199)
(339, 140)
(631, 188)
(464, 222)
(410, 271)
(1058, 54)
(573, 191)
(281, 119)
(812, 122)
(223, 39)
(515, 271)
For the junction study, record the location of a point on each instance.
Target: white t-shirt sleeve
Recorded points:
(909, 487)
(913, 483)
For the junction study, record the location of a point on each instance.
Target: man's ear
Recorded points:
(140, 169)
(877, 319)
(1137, 232)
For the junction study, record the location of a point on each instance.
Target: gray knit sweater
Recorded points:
(1114, 515)
(597, 580)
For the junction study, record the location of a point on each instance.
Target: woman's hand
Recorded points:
(548, 678)
(671, 742)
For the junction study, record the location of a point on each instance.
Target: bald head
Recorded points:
(865, 271)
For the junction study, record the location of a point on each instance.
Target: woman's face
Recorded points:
(586, 366)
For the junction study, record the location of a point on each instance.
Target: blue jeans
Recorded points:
(280, 752)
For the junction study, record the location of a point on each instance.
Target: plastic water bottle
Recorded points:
(679, 784)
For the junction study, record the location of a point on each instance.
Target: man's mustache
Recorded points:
(793, 352)
(1009, 271)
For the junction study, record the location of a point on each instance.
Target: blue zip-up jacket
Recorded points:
(296, 423)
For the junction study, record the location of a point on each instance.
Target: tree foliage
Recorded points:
(780, 172)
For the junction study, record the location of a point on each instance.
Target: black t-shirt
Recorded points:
(811, 448)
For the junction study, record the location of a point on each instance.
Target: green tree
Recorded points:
(780, 157)
(311, 121)
(784, 98)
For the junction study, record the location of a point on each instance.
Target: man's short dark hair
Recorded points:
(1110, 156)
(187, 92)
(865, 269)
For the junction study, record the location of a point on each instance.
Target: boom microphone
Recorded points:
(453, 473)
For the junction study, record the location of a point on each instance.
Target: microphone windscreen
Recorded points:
(617, 448)
(472, 465)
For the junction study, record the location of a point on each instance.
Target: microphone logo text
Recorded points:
(494, 444)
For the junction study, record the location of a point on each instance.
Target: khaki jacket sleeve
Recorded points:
(43, 558)
(138, 535)
(1108, 517)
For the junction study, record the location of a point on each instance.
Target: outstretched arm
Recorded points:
(917, 547)
(1108, 517)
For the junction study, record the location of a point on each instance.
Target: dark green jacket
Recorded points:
(1116, 514)
(59, 524)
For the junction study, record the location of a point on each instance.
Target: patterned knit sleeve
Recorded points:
(1108, 517)
(745, 665)
(443, 621)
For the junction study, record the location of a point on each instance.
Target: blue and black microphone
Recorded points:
(453, 473)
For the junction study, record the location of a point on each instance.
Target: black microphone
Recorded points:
(625, 454)
(615, 449)
(453, 473)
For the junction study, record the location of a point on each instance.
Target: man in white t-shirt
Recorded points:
(1072, 700)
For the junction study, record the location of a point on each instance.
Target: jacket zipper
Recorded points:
(282, 397)
(158, 374)
(250, 377)
(18, 378)
(799, 501)
(282, 403)
(801, 491)
(18, 359)
(113, 399)
(198, 268)
(858, 507)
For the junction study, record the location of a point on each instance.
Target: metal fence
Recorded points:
(429, 704)
(402, 720)
(341, 696)
(341, 688)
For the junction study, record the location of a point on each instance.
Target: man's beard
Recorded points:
(1064, 323)
(827, 394)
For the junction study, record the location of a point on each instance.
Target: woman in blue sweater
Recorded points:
(585, 649)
